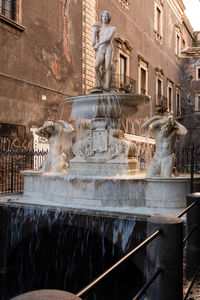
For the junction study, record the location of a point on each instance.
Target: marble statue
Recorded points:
(55, 160)
(165, 130)
(101, 41)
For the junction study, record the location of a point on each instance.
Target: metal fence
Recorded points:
(11, 163)
(188, 159)
(14, 161)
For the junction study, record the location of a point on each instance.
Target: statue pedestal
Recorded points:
(84, 191)
(107, 191)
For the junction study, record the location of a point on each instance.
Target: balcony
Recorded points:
(161, 103)
(123, 84)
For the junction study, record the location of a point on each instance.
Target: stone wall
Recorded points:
(40, 62)
(190, 91)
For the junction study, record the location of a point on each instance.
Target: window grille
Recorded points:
(8, 8)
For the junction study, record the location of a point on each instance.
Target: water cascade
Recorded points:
(54, 248)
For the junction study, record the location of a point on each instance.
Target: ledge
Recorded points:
(158, 37)
(10, 22)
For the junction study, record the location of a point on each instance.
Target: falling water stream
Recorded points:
(54, 248)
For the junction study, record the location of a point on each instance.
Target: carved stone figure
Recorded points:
(101, 41)
(165, 131)
(55, 160)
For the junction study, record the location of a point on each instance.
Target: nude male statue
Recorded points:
(55, 160)
(101, 41)
(165, 131)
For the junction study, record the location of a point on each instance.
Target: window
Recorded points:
(120, 76)
(183, 44)
(170, 96)
(123, 67)
(159, 86)
(178, 44)
(178, 103)
(197, 102)
(198, 73)
(143, 81)
(8, 8)
(158, 20)
(143, 76)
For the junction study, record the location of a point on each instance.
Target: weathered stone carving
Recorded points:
(101, 41)
(55, 160)
(103, 144)
(165, 131)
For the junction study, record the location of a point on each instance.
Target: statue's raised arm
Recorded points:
(165, 130)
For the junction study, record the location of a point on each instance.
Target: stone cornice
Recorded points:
(178, 8)
(124, 45)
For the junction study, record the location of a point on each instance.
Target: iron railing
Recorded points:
(192, 227)
(123, 83)
(161, 102)
(132, 252)
(188, 162)
(11, 163)
(13, 159)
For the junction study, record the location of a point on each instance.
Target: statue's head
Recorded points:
(48, 123)
(49, 128)
(167, 126)
(105, 14)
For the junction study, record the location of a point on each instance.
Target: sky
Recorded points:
(193, 13)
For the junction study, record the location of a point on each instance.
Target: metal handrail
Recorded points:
(192, 283)
(181, 214)
(134, 251)
(186, 210)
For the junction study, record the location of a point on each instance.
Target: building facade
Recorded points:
(40, 62)
(190, 83)
(46, 55)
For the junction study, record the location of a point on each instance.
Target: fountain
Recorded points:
(104, 171)
(103, 176)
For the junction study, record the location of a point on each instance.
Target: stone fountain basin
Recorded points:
(107, 105)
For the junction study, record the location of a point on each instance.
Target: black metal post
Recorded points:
(192, 220)
(166, 253)
(192, 170)
(12, 174)
(193, 243)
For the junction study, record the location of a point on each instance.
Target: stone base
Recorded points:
(109, 191)
(167, 192)
(109, 168)
(85, 190)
